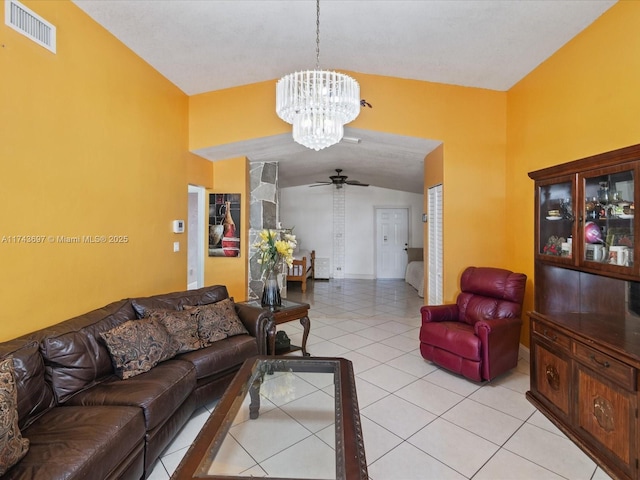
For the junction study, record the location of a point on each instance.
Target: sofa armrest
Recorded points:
(258, 322)
(439, 313)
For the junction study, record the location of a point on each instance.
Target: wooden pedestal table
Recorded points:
(288, 312)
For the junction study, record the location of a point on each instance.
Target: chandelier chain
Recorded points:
(317, 34)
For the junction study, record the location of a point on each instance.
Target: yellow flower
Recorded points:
(274, 247)
(282, 246)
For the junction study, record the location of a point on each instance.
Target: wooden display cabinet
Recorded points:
(585, 327)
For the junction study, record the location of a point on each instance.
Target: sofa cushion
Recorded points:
(137, 346)
(221, 356)
(12, 446)
(34, 394)
(180, 324)
(74, 354)
(80, 443)
(158, 392)
(177, 300)
(217, 321)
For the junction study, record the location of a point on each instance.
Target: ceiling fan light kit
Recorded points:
(318, 103)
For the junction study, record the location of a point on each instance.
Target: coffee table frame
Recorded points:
(351, 462)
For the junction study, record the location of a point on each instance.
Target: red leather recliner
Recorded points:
(479, 336)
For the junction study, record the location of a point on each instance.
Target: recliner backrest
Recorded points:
(490, 293)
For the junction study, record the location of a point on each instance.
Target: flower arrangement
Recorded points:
(554, 245)
(274, 247)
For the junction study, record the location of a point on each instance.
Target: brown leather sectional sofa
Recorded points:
(83, 421)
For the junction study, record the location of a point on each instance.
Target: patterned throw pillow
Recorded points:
(137, 346)
(180, 324)
(217, 321)
(12, 446)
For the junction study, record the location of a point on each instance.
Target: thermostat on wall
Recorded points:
(178, 226)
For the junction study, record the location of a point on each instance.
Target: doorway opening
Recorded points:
(196, 237)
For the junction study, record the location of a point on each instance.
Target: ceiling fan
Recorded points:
(340, 180)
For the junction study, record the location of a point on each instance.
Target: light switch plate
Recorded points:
(176, 246)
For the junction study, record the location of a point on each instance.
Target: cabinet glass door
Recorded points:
(556, 221)
(609, 219)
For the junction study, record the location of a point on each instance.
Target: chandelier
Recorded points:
(318, 103)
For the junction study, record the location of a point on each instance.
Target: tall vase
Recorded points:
(271, 293)
(227, 222)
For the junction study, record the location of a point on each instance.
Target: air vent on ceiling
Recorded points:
(30, 24)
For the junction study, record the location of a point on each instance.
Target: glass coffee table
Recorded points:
(282, 418)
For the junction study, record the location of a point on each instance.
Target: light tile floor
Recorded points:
(419, 421)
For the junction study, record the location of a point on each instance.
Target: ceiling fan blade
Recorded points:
(356, 183)
(339, 180)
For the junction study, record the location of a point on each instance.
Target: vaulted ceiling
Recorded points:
(204, 45)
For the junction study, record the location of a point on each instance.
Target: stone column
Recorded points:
(263, 213)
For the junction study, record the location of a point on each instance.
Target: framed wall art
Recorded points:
(224, 225)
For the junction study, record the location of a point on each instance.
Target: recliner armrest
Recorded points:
(500, 339)
(439, 313)
(483, 328)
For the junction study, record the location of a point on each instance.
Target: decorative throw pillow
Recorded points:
(217, 321)
(12, 446)
(180, 324)
(136, 346)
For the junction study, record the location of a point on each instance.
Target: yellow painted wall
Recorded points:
(232, 176)
(582, 101)
(93, 143)
(200, 172)
(471, 122)
(234, 114)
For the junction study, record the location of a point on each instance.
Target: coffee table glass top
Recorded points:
(286, 417)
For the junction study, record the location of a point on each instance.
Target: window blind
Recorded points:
(435, 256)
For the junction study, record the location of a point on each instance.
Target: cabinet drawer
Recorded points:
(606, 366)
(552, 335)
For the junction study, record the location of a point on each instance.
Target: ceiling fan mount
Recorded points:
(339, 181)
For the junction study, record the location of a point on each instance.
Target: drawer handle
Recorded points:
(553, 337)
(604, 364)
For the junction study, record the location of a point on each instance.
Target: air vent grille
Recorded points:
(30, 24)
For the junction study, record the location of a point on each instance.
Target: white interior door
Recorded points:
(195, 237)
(392, 239)
(435, 257)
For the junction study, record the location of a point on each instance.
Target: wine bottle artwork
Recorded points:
(224, 220)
